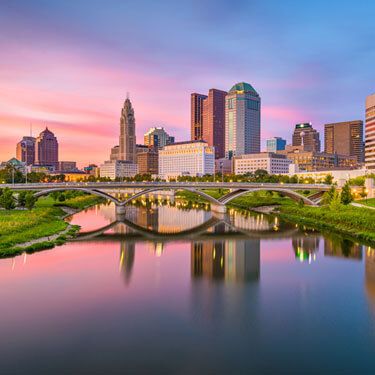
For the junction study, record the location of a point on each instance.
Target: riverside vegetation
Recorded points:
(20, 229)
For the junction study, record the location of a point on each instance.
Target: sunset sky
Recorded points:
(69, 65)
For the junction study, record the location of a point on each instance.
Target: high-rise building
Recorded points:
(305, 135)
(148, 161)
(127, 133)
(214, 121)
(47, 149)
(275, 144)
(25, 150)
(197, 116)
(194, 158)
(157, 138)
(370, 132)
(242, 120)
(345, 138)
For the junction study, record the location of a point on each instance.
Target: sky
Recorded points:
(69, 65)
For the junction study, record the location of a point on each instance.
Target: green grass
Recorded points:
(80, 202)
(367, 202)
(355, 222)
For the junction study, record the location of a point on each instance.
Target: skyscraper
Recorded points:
(127, 133)
(197, 116)
(47, 149)
(25, 150)
(157, 138)
(305, 135)
(214, 121)
(276, 144)
(345, 138)
(242, 120)
(370, 132)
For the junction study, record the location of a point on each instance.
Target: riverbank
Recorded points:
(43, 227)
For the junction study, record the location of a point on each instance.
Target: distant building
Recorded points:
(141, 148)
(345, 138)
(271, 162)
(305, 135)
(72, 176)
(148, 161)
(118, 169)
(127, 133)
(15, 163)
(196, 107)
(242, 120)
(47, 149)
(214, 121)
(370, 133)
(224, 166)
(194, 158)
(92, 170)
(315, 161)
(115, 153)
(25, 150)
(157, 137)
(67, 166)
(275, 144)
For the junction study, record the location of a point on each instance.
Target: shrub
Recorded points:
(7, 200)
(346, 194)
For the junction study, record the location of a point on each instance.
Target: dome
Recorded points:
(243, 86)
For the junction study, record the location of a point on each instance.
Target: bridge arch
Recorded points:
(147, 191)
(285, 192)
(86, 190)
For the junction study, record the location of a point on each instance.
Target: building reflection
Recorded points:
(228, 260)
(370, 276)
(127, 257)
(306, 247)
(342, 247)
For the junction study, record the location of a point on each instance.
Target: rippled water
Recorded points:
(230, 294)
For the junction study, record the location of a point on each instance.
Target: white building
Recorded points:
(118, 169)
(268, 161)
(192, 158)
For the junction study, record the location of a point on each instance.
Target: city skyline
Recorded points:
(78, 94)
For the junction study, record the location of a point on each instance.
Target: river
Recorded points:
(232, 294)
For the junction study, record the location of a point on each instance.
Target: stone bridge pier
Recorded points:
(370, 187)
(120, 212)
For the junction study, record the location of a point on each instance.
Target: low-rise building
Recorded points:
(192, 158)
(269, 161)
(224, 166)
(148, 161)
(67, 166)
(118, 169)
(275, 144)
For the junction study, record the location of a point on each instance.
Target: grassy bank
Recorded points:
(45, 220)
(368, 202)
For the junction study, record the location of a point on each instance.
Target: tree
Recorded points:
(328, 179)
(30, 200)
(7, 200)
(346, 194)
(22, 198)
(363, 193)
(61, 197)
(301, 203)
(335, 203)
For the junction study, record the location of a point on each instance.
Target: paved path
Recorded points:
(362, 206)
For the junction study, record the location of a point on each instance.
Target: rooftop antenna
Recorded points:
(31, 129)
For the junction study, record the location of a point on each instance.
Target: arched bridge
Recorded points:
(236, 189)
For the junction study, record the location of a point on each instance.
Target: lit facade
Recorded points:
(306, 136)
(193, 158)
(275, 144)
(196, 108)
(67, 166)
(268, 161)
(157, 138)
(370, 133)
(148, 162)
(25, 150)
(345, 138)
(242, 120)
(118, 169)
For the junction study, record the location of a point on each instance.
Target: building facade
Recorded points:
(276, 144)
(148, 162)
(47, 149)
(271, 162)
(214, 121)
(118, 169)
(305, 135)
(242, 120)
(25, 150)
(370, 133)
(67, 166)
(345, 138)
(196, 107)
(157, 138)
(194, 158)
(127, 133)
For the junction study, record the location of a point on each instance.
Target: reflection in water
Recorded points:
(342, 247)
(228, 260)
(306, 247)
(127, 257)
(370, 275)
